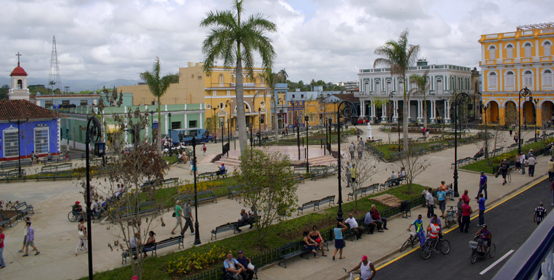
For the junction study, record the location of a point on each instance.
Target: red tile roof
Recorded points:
(21, 109)
(347, 96)
(18, 71)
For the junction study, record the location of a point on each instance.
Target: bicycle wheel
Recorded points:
(71, 217)
(492, 250)
(405, 245)
(425, 252)
(445, 247)
(473, 256)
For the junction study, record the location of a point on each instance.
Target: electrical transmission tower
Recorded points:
(54, 78)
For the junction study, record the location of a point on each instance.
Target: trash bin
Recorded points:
(405, 208)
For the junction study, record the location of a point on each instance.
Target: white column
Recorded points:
(362, 107)
(373, 111)
(433, 110)
(395, 110)
(125, 133)
(166, 124)
(419, 111)
(384, 114)
(447, 111)
(409, 111)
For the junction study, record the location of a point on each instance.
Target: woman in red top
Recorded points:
(465, 197)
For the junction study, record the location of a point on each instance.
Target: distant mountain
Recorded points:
(79, 85)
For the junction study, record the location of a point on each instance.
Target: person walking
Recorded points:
(204, 148)
(532, 161)
(551, 169)
(2, 237)
(360, 150)
(367, 270)
(441, 197)
(352, 150)
(523, 160)
(518, 162)
(466, 212)
(25, 228)
(178, 214)
(459, 207)
(503, 169)
(353, 174)
(430, 201)
(339, 241)
(193, 167)
(82, 231)
(516, 137)
(540, 214)
(483, 185)
(187, 214)
(30, 240)
(481, 209)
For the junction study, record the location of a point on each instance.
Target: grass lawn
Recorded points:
(279, 235)
(386, 151)
(171, 159)
(482, 165)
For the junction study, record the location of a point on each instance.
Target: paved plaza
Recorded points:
(56, 237)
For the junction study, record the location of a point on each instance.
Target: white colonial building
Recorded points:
(445, 80)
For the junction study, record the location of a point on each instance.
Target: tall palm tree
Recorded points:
(422, 83)
(271, 79)
(398, 56)
(158, 87)
(235, 40)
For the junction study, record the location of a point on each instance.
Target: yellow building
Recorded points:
(512, 61)
(216, 91)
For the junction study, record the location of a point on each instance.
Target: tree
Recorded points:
(212, 124)
(366, 167)
(130, 169)
(398, 56)
(158, 87)
(4, 92)
(235, 41)
(414, 164)
(271, 79)
(422, 83)
(268, 187)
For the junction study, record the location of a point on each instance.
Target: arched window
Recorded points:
(547, 78)
(510, 79)
(232, 78)
(19, 84)
(221, 79)
(509, 51)
(527, 47)
(400, 86)
(377, 86)
(439, 86)
(389, 86)
(492, 80)
(492, 53)
(528, 79)
(547, 51)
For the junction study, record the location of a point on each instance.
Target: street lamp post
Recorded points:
(460, 97)
(536, 102)
(222, 123)
(215, 128)
(526, 93)
(260, 127)
(195, 169)
(307, 119)
(297, 123)
(170, 139)
(19, 122)
(228, 135)
(251, 139)
(93, 134)
(485, 107)
(346, 108)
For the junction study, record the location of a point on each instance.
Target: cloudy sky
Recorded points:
(316, 39)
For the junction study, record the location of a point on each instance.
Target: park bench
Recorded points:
(154, 247)
(363, 191)
(234, 226)
(389, 183)
(292, 250)
(49, 168)
(318, 173)
(68, 174)
(170, 182)
(299, 178)
(12, 175)
(5, 221)
(206, 176)
(421, 139)
(311, 204)
(461, 162)
(15, 163)
(328, 199)
(64, 167)
(23, 209)
(234, 190)
(202, 196)
(148, 207)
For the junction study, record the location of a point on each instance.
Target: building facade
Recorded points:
(380, 91)
(512, 61)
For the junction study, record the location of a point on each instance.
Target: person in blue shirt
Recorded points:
(221, 170)
(232, 266)
(339, 241)
(482, 185)
(441, 197)
(418, 223)
(481, 209)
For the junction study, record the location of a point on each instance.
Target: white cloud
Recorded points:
(316, 39)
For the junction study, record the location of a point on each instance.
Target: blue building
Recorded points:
(24, 126)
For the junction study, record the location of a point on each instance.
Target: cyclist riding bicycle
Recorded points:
(418, 223)
(483, 237)
(435, 220)
(433, 232)
(77, 208)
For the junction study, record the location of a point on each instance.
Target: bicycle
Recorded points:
(412, 239)
(430, 245)
(353, 274)
(73, 216)
(477, 249)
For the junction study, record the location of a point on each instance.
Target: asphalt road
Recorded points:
(510, 223)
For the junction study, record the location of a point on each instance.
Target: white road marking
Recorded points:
(496, 262)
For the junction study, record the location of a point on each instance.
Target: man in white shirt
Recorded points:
(351, 221)
(402, 173)
(393, 175)
(430, 203)
(523, 157)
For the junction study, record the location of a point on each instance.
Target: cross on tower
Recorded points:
(18, 57)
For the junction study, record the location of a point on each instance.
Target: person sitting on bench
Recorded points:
(479, 154)
(234, 268)
(221, 170)
(243, 219)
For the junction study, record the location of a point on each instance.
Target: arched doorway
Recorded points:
(528, 113)
(492, 112)
(511, 113)
(547, 109)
